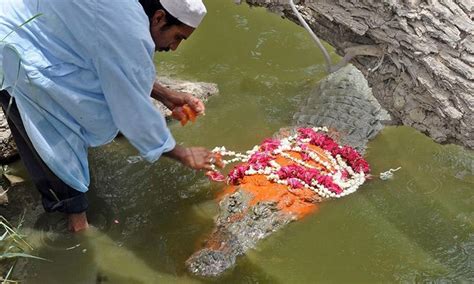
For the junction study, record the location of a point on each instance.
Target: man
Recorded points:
(79, 73)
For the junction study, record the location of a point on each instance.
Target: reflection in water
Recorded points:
(151, 218)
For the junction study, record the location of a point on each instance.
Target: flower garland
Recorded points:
(330, 170)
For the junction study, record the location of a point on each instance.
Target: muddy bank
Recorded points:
(8, 149)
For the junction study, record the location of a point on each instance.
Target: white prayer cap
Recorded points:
(189, 12)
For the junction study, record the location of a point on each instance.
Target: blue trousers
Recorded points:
(56, 195)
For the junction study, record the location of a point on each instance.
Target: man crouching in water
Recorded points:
(83, 71)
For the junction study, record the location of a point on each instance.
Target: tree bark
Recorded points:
(417, 55)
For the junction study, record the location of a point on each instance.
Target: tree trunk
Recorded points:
(417, 55)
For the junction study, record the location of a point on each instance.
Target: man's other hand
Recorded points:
(197, 158)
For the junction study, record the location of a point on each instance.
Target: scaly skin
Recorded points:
(344, 103)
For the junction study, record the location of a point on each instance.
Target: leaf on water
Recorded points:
(14, 180)
(20, 254)
(8, 274)
(4, 236)
(3, 196)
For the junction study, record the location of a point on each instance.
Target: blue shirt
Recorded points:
(79, 73)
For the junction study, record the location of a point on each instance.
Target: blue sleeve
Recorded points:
(124, 64)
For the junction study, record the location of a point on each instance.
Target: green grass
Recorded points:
(13, 246)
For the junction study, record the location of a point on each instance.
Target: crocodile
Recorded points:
(342, 102)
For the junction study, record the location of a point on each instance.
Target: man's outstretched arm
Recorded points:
(173, 99)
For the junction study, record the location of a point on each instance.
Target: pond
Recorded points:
(150, 218)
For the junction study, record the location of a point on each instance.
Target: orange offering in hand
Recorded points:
(190, 113)
(184, 114)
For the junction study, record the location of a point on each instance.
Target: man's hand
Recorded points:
(180, 99)
(184, 114)
(174, 100)
(197, 158)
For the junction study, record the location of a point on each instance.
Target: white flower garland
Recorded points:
(335, 167)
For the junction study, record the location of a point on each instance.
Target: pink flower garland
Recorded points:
(295, 175)
(353, 158)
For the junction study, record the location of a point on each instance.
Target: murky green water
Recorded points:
(417, 227)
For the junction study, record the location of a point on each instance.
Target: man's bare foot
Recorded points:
(77, 222)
